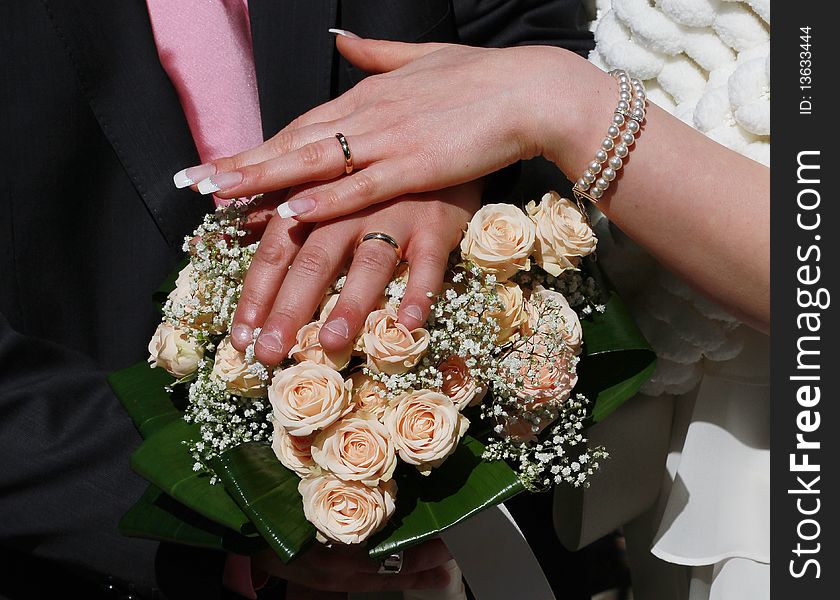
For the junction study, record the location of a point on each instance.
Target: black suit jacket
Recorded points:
(90, 224)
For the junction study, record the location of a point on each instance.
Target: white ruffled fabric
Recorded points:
(707, 62)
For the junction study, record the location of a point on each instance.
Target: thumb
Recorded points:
(381, 56)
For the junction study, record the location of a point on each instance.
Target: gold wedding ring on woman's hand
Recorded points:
(382, 237)
(348, 156)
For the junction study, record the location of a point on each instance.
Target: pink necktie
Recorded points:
(205, 48)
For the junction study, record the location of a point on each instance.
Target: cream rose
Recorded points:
(172, 349)
(327, 306)
(307, 397)
(549, 311)
(512, 315)
(294, 452)
(538, 378)
(347, 512)
(563, 233)
(230, 367)
(458, 384)
(390, 347)
(356, 449)
(189, 305)
(426, 427)
(308, 347)
(500, 240)
(367, 395)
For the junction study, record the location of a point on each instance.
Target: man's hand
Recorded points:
(286, 283)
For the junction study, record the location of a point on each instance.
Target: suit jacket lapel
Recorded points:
(293, 56)
(113, 50)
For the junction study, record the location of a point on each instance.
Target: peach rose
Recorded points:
(307, 397)
(563, 233)
(512, 315)
(499, 239)
(173, 349)
(356, 449)
(347, 512)
(426, 427)
(327, 306)
(189, 305)
(549, 311)
(537, 378)
(308, 347)
(366, 395)
(294, 452)
(390, 347)
(522, 429)
(458, 384)
(230, 367)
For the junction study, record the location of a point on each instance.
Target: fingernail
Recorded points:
(345, 33)
(414, 312)
(222, 181)
(242, 334)
(271, 342)
(187, 177)
(295, 207)
(338, 327)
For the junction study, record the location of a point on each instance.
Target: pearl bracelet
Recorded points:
(621, 135)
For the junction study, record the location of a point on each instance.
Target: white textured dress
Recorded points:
(707, 62)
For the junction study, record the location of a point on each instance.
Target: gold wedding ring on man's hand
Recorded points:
(348, 156)
(382, 237)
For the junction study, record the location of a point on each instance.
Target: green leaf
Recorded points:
(141, 390)
(268, 493)
(616, 358)
(461, 487)
(164, 460)
(157, 516)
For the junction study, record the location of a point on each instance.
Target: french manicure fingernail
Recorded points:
(222, 181)
(242, 334)
(338, 327)
(345, 33)
(295, 207)
(414, 312)
(271, 342)
(189, 176)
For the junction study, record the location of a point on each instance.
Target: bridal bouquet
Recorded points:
(407, 432)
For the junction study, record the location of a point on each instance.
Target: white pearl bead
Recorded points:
(624, 95)
(596, 193)
(621, 150)
(595, 166)
(635, 81)
(588, 176)
(638, 114)
(641, 95)
(615, 163)
(632, 126)
(608, 174)
(607, 144)
(638, 104)
(602, 183)
(581, 184)
(618, 120)
(601, 156)
(624, 87)
(628, 138)
(613, 131)
(622, 105)
(622, 77)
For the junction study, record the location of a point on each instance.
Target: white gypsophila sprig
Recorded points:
(562, 456)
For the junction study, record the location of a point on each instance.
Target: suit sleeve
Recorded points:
(65, 479)
(501, 23)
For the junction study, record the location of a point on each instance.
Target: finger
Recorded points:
(271, 261)
(287, 139)
(432, 579)
(427, 261)
(315, 267)
(427, 555)
(379, 182)
(380, 56)
(371, 270)
(316, 161)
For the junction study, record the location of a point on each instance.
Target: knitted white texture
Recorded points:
(708, 63)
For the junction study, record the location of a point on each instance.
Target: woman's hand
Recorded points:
(282, 291)
(348, 569)
(454, 114)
